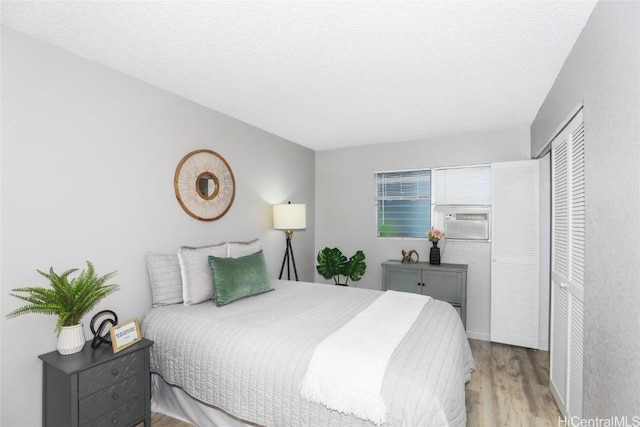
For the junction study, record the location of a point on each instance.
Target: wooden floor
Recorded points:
(510, 387)
(161, 420)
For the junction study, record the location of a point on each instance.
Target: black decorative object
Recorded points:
(101, 335)
(434, 254)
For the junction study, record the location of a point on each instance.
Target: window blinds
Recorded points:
(462, 185)
(403, 203)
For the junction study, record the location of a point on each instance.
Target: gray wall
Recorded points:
(603, 73)
(88, 159)
(345, 214)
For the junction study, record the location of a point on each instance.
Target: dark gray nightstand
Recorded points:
(96, 387)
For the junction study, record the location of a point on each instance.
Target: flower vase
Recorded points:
(71, 339)
(434, 254)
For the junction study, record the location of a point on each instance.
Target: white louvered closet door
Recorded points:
(515, 288)
(567, 267)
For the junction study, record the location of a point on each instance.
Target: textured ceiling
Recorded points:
(328, 74)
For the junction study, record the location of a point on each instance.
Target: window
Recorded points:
(462, 202)
(403, 203)
(462, 185)
(409, 203)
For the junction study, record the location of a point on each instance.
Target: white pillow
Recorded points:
(240, 249)
(165, 279)
(197, 280)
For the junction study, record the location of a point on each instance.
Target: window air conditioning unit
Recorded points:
(464, 222)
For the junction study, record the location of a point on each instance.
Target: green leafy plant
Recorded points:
(69, 299)
(332, 264)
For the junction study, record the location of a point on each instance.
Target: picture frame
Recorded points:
(125, 334)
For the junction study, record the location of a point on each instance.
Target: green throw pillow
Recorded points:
(235, 278)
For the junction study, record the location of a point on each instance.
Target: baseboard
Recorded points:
(542, 345)
(478, 336)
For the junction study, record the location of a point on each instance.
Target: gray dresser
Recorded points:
(96, 387)
(446, 282)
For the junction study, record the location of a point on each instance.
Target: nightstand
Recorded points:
(96, 387)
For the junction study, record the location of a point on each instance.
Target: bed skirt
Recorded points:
(176, 403)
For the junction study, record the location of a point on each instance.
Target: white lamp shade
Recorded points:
(290, 217)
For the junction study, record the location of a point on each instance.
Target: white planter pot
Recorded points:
(71, 339)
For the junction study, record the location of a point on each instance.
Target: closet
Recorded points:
(567, 266)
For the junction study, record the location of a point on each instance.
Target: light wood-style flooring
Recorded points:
(161, 420)
(509, 388)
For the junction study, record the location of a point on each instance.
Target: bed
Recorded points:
(243, 363)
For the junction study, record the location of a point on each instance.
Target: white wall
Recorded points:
(603, 73)
(345, 214)
(88, 160)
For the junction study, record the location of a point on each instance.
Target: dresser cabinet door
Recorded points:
(442, 285)
(404, 280)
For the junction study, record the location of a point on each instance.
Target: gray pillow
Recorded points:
(164, 278)
(197, 281)
(238, 249)
(236, 278)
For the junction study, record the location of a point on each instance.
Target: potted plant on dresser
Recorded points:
(68, 298)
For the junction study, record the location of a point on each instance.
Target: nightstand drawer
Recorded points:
(105, 400)
(110, 373)
(125, 415)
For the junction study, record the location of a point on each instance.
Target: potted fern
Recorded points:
(333, 264)
(68, 298)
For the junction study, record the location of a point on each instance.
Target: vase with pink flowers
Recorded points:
(434, 235)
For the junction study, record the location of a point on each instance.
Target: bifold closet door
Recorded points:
(567, 267)
(515, 287)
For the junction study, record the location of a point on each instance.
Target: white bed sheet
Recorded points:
(249, 358)
(175, 402)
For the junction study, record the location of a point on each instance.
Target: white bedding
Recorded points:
(249, 357)
(347, 368)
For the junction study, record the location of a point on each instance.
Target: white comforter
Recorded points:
(249, 357)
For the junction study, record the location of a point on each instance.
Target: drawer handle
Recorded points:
(115, 396)
(115, 372)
